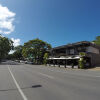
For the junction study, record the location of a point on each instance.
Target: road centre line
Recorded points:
(65, 72)
(17, 85)
(46, 75)
(75, 74)
(97, 76)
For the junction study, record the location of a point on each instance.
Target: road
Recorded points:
(38, 82)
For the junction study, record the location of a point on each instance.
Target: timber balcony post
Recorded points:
(53, 62)
(65, 63)
(59, 63)
(49, 62)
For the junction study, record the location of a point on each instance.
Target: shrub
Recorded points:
(82, 53)
(45, 58)
(82, 63)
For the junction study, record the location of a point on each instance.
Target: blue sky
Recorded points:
(57, 22)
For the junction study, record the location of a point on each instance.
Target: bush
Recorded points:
(45, 58)
(82, 63)
(82, 53)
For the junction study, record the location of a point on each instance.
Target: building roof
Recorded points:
(77, 44)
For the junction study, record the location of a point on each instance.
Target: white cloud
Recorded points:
(16, 42)
(11, 51)
(6, 20)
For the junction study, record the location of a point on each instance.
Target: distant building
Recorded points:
(69, 55)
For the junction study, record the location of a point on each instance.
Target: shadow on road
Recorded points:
(10, 64)
(34, 86)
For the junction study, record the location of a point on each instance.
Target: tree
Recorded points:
(46, 55)
(35, 49)
(82, 63)
(18, 52)
(82, 60)
(97, 41)
(5, 46)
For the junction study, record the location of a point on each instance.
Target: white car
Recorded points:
(21, 61)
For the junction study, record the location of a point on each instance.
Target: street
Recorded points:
(39, 82)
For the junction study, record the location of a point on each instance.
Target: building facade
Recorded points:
(69, 55)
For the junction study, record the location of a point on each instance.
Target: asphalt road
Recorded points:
(34, 82)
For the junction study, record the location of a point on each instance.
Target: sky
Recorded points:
(57, 22)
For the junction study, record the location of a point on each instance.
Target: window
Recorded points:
(93, 50)
(71, 51)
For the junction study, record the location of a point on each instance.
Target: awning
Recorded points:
(65, 58)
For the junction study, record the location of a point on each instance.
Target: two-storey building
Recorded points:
(69, 55)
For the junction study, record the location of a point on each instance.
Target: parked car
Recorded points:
(17, 60)
(21, 61)
(28, 62)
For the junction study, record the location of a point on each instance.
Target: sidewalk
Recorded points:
(95, 69)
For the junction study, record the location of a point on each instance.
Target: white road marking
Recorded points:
(47, 75)
(64, 72)
(75, 74)
(97, 76)
(17, 85)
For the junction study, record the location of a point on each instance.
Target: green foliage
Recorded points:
(82, 54)
(81, 63)
(5, 46)
(18, 52)
(36, 49)
(97, 41)
(46, 55)
(82, 60)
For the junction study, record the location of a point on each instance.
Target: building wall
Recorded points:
(95, 59)
(93, 50)
(94, 54)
